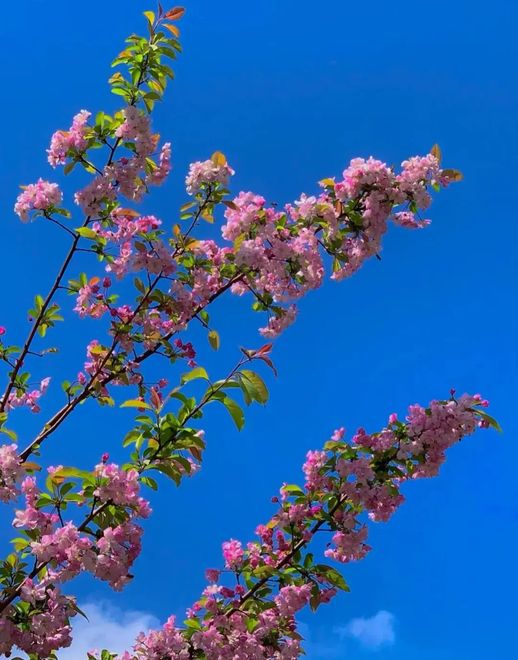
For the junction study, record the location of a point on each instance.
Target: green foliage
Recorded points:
(46, 314)
(147, 74)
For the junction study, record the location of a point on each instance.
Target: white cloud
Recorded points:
(107, 627)
(373, 632)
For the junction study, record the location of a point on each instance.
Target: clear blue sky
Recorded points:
(290, 91)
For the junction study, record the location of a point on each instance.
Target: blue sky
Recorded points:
(290, 91)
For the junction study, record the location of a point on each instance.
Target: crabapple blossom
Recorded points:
(39, 196)
(207, 173)
(11, 472)
(74, 140)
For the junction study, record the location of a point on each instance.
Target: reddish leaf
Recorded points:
(175, 14)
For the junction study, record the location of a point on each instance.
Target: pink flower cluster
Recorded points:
(377, 190)
(136, 128)
(233, 554)
(276, 255)
(120, 487)
(64, 549)
(95, 194)
(39, 196)
(32, 517)
(130, 175)
(135, 238)
(11, 472)
(161, 172)
(117, 550)
(69, 143)
(49, 626)
(280, 252)
(18, 397)
(68, 550)
(292, 598)
(203, 174)
(91, 300)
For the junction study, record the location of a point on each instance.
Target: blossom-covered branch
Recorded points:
(44, 198)
(248, 609)
(107, 540)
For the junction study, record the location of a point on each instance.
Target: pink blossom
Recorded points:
(11, 472)
(39, 196)
(74, 140)
(276, 324)
(233, 554)
(292, 598)
(206, 173)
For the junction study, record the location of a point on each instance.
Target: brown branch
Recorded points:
(41, 315)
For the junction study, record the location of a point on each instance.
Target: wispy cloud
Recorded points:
(107, 627)
(373, 633)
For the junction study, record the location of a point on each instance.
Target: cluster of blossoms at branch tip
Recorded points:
(203, 174)
(277, 255)
(62, 550)
(11, 472)
(39, 196)
(248, 609)
(71, 142)
(49, 627)
(130, 175)
(120, 487)
(30, 398)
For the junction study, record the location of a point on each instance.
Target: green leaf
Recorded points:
(148, 481)
(197, 372)
(169, 470)
(236, 412)
(214, 339)
(263, 571)
(86, 232)
(293, 489)
(490, 420)
(254, 385)
(20, 543)
(136, 403)
(72, 472)
(9, 433)
(333, 576)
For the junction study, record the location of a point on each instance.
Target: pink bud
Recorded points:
(212, 575)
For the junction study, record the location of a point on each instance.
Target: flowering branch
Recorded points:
(276, 256)
(343, 482)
